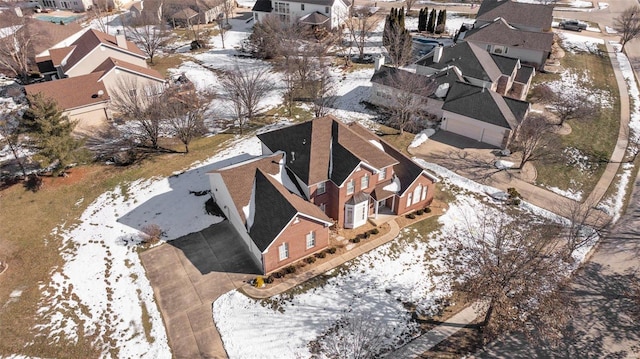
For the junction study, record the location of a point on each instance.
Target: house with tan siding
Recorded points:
(84, 72)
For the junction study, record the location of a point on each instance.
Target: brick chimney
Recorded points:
(121, 41)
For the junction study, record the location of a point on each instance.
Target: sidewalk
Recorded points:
(296, 279)
(430, 339)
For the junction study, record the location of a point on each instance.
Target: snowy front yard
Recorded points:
(102, 289)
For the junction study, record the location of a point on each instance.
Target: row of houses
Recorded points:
(480, 82)
(83, 72)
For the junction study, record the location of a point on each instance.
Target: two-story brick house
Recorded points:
(311, 176)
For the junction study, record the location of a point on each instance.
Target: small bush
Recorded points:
(374, 231)
(355, 240)
(258, 282)
(360, 236)
(366, 235)
(411, 216)
(151, 234)
(427, 210)
(330, 250)
(320, 255)
(269, 279)
(420, 212)
(33, 183)
(310, 259)
(279, 274)
(290, 270)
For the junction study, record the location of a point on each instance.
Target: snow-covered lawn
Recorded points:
(374, 286)
(102, 276)
(94, 291)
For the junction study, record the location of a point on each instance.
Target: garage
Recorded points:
(474, 129)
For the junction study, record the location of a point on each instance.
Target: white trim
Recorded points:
(126, 69)
(373, 169)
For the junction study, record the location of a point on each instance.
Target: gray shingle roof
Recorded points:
(262, 5)
(472, 60)
(505, 64)
(524, 74)
(500, 33)
(517, 13)
(485, 105)
(323, 145)
(393, 77)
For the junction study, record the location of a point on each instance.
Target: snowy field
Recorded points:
(102, 276)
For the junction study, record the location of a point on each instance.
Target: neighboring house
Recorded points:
(275, 222)
(42, 34)
(521, 15)
(386, 80)
(194, 12)
(186, 17)
(498, 37)
(481, 114)
(75, 5)
(313, 175)
(328, 13)
(93, 66)
(83, 98)
(464, 74)
(505, 75)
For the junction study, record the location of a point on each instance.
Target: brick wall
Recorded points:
(295, 235)
(401, 202)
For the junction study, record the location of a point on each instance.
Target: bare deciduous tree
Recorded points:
(149, 35)
(535, 139)
(323, 92)
(354, 336)
(407, 101)
(514, 268)
(573, 105)
(266, 38)
(142, 104)
(185, 114)
(360, 26)
(15, 46)
(628, 24)
(409, 4)
(585, 223)
(398, 44)
(246, 89)
(222, 28)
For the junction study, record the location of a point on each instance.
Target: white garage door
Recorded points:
(478, 133)
(466, 130)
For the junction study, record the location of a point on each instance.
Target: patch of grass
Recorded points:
(32, 251)
(582, 137)
(392, 136)
(163, 63)
(298, 113)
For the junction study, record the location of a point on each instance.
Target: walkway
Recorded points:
(539, 196)
(548, 200)
(296, 279)
(430, 339)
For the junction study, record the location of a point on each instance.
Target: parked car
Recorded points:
(574, 25)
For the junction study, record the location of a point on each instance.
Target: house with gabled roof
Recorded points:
(325, 13)
(275, 222)
(481, 114)
(521, 15)
(311, 176)
(505, 75)
(499, 37)
(90, 68)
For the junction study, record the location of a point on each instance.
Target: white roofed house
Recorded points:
(327, 13)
